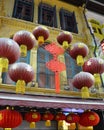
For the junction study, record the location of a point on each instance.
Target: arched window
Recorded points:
(45, 77)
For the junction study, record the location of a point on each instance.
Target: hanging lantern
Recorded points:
(102, 45)
(47, 116)
(89, 118)
(94, 66)
(83, 81)
(26, 40)
(64, 38)
(32, 117)
(41, 33)
(72, 118)
(78, 51)
(60, 117)
(10, 119)
(21, 73)
(9, 53)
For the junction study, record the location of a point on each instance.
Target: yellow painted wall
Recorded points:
(9, 25)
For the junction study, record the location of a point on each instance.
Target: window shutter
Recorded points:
(62, 20)
(54, 17)
(40, 13)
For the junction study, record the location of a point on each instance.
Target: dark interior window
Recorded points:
(68, 21)
(94, 29)
(24, 9)
(47, 15)
(99, 31)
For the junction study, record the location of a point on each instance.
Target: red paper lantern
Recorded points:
(9, 53)
(41, 33)
(21, 73)
(26, 40)
(32, 117)
(72, 118)
(47, 116)
(89, 118)
(94, 66)
(60, 117)
(83, 81)
(64, 38)
(78, 51)
(10, 118)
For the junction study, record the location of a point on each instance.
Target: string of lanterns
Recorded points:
(11, 118)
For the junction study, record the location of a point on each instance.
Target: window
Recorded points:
(68, 21)
(71, 69)
(47, 15)
(45, 77)
(24, 9)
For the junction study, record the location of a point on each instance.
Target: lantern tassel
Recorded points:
(85, 92)
(60, 123)
(72, 126)
(4, 64)
(80, 60)
(7, 129)
(97, 79)
(65, 44)
(40, 40)
(23, 49)
(20, 86)
(57, 82)
(48, 123)
(32, 125)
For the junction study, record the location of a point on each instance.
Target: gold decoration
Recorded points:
(65, 44)
(20, 86)
(23, 49)
(1, 116)
(80, 60)
(7, 129)
(69, 118)
(91, 117)
(48, 123)
(34, 116)
(32, 125)
(40, 40)
(4, 64)
(85, 92)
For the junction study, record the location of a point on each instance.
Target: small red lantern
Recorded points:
(64, 38)
(26, 40)
(83, 81)
(10, 118)
(72, 118)
(78, 51)
(60, 117)
(32, 117)
(41, 33)
(89, 118)
(9, 53)
(47, 116)
(21, 73)
(94, 66)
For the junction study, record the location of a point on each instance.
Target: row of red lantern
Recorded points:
(12, 118)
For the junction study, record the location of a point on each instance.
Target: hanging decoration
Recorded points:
(83, 81)
(9, 53)
(89, 118)
(21, 73)
(60, 117)
(26, 41)
(41, 33)
(10, 118)
(32, 117)
(64, 38)
(55, 65)
(94, 66)
(78, 51)
(47, 116)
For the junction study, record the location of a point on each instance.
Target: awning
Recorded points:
(49, 101)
